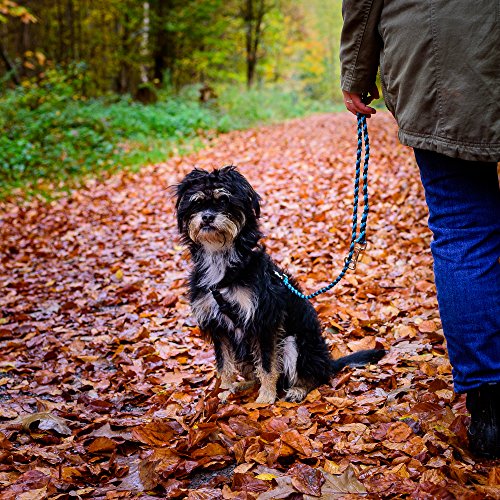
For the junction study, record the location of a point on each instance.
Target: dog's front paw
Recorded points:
(267, 398)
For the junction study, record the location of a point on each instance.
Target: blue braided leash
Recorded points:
(358, 241)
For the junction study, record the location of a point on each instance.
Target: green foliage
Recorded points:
(45, 132)
(48, 131)
(74, 65)
(206, 44)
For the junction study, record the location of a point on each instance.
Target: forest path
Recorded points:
(97, 339)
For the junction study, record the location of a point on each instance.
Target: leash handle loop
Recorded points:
(358, 241)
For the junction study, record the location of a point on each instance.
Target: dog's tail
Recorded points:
(360, 358)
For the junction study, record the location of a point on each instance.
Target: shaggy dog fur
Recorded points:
(261, 331)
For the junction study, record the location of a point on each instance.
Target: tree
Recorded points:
(253, 12)
(126, 45)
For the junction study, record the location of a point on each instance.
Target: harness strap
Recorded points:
(358, 241)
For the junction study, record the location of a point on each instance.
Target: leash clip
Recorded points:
(359, 248)
(283, 277)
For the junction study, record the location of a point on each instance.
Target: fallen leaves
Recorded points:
(303, 445)
(336, 486)
(398, 432)
(107, 389)
(156, 433)
(31, 485)
(306, 479)
(45, 421)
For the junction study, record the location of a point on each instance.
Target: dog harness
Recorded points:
(358, 241)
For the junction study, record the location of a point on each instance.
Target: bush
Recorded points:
(49, 131)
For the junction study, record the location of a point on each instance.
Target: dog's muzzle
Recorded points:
(212, 230)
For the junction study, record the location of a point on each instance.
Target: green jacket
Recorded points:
(440, 69)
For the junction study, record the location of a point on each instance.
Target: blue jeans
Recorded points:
(464, 217)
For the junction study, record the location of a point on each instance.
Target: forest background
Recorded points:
(87, 86)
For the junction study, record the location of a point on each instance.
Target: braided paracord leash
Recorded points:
(358, 242)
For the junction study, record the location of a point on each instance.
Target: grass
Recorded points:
(51, 137)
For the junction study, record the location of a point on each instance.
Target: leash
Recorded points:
(358, 242)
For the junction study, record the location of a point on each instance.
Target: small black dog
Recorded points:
(260, 330)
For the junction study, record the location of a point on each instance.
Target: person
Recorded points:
(439, 67)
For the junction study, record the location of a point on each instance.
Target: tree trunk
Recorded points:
(124, 76)
(70, 14)
(60, 31)
(253, 16)
(146, 23)
(8, 64)
(160, 49)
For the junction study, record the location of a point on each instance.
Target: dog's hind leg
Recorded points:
(297, 390)
(296, 394)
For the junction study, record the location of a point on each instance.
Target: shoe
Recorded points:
(484, 430)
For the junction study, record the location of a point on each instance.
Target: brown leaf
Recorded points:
(298, 442)
(427, 326)
(283, 490)
(210, 450)
(336, 486)
(147, 474)
(398, 432)
(306, 479)
(494, 476)
(169, 300)
(248, 483)
(204, 494)
(364, 343)
(5, 444)
(130, 288)
(33, 484)
(46, 421)
(102, 445)
(154, 433)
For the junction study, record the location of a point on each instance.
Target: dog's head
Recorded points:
(213, 208)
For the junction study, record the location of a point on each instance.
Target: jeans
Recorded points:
(464, 216)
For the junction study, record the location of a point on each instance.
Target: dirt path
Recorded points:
(106, 388)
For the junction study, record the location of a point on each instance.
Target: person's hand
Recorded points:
(354, 104)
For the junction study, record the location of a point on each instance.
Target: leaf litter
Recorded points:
(108, 391)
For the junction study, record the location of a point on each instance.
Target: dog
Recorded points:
(261, 332)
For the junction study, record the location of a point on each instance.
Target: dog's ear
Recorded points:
(255, 202)
(231, 171)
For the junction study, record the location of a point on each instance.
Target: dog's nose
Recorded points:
(208, 218)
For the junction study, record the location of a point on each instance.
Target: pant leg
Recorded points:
(464, 217)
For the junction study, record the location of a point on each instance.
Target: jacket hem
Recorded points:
(455, 149)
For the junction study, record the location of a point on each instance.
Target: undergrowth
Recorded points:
(51, 136)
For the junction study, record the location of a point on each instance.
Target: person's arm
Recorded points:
(360, 46)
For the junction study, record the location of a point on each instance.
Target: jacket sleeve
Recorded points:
(360, 44)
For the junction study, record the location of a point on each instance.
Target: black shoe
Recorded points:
(484, 430)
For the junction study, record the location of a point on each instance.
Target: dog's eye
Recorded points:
(196, 203)
(223, 199)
